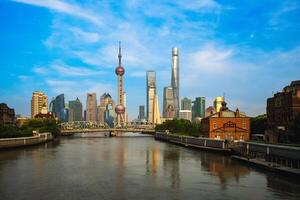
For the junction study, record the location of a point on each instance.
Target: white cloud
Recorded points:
(84, 36)
(23, 77)
(40, 70)
(66, 8)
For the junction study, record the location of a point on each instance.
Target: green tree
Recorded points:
(180, 126)
(258, 124)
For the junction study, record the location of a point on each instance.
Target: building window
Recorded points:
(244, 124)
(215, 125)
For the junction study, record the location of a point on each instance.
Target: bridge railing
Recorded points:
(81, 125)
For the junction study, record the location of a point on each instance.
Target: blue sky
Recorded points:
(245, 49)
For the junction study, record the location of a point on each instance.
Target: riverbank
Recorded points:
(289, 165)
(200, 143)
(269, 166)
(25, 141)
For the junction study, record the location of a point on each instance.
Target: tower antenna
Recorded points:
(120, 54)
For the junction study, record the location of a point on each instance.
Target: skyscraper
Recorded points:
(175, 80)
(198, 109)
(105, 99)
(141, 112)
(151, 92)
(186, 104)
(120, 108)
(168, 103)
(91, 107)
(75, 110)
(218, 103)
(38, 100)
(59, 105)
(156, 115)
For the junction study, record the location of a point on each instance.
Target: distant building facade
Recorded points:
(7, 114)
(75, 110)
(186, 104)
(282, 109)
(185, 114)
(209, 111)
(226, 124)
(44, 114)
(198, 108)
(38, 100)
(141, 112)
(60, 109)
(91, 107)
(168, 103)
(151, 92)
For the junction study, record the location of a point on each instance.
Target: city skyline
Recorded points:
(63, 50)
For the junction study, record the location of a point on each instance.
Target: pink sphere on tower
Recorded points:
(120, 71)
(120, 109)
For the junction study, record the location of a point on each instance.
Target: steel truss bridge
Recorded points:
(68, 128)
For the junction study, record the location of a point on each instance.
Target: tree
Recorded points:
(180, 126)
(258, 124)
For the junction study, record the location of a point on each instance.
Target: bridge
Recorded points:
(70, 128)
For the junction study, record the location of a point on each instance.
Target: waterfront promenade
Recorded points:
(25, 141)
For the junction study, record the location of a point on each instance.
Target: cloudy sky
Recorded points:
(245, 49)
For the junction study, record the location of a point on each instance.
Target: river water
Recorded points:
(132, 168)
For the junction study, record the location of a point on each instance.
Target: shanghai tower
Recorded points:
(175, 80)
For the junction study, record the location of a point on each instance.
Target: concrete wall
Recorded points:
(200, 142)
(272, 150)
(25, 141)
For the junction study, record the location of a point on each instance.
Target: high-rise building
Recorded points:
(141, 112)
(38, 100)
(168, 103)
(91, 107)
(52, 106)
(7, 114)
(105, 99)
(185, 114)
(175, 80)
(120, 108)
(151, 92)
(109, 114)
(156, 115)
(59, 108)
(186, 104)
(198, 108)
(75, 110)
(218, 103)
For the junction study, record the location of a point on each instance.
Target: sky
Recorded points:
(246, 50)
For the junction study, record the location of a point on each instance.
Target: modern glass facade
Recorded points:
(175, 80)
(151, 92)
(75, 109)
(198, 109)
(168, 103)
(186, 104)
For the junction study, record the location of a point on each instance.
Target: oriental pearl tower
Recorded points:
(120, 109)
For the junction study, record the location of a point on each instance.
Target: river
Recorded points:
(132, 168)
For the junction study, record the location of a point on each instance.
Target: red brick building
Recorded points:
(7, 115)
(226, 124)
(282, 109)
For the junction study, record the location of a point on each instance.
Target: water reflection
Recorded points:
(223, 167)
(132, 168)
(171, 167)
